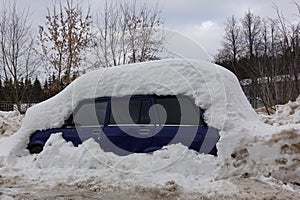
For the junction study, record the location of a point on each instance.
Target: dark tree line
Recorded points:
(264, 54)
(31, 90)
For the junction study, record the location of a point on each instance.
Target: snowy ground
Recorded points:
(192, 176)
(10, 122)
(255, 160)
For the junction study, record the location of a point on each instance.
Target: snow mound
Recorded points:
(288, 113)
(277, 157)
(10, 122)
(213, 88)
(61, 154)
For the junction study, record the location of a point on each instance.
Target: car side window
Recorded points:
(169, 110)
(130, 111)
(179, 110)
(144, 117)
(69, 122)
(90, 114)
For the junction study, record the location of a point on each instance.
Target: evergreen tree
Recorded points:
(8, 90)
(37, 91)
(21, 90)
(28, 90)
(46, 91)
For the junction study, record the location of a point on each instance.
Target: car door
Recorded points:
(181, 121)
(89, 119)
(129, 126)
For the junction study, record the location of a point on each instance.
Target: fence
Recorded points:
(10, 106)
(6, 106)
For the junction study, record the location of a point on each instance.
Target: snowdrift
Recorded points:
(10, 122)
(288, 113)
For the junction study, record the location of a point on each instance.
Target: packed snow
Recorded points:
(284, 114)
(10, 122)
(255, 159)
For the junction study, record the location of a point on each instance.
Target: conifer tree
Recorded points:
(36, 90)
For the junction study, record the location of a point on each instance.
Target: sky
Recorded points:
(202, 21)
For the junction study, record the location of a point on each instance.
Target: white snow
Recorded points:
(247, 147)
(10, 122)
(288, 113)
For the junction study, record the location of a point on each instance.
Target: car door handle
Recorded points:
(96, 132)
(144, 131)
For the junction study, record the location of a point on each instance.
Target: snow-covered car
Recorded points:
(211, 89)
(135, 124)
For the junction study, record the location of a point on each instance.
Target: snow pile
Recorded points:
(61, 154)
(285, 114)
(260, 169)
(277, 157)
(10, 122)
(173, 166)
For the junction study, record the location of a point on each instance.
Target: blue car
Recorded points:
(135, 124)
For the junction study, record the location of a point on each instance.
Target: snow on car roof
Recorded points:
(213, 88)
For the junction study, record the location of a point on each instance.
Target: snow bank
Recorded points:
(277, 157)
(288, 113)
(214, 89)
(10, 122)
(61, 161)
(58, 154)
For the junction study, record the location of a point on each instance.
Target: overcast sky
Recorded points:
(201, 20)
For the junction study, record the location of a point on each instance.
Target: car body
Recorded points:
(135, 124)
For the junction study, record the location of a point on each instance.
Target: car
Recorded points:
(135, 124)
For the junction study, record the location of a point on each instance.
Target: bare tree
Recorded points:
(110, 44)
(252, 37)
(232, 43)
(290, 49)
(64, 39)
(17, 56)
(142, 24)
(128, 34)
(268, 66)
(251, 31)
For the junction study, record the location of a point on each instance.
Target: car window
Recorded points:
(69, 122)
(90, 114)
(144, 112)
(169, 110)
(130, 111)
(174, 110)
